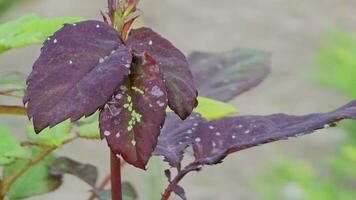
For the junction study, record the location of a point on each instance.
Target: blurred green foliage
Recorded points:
(290, 179)
(5, 4)
(30, 29)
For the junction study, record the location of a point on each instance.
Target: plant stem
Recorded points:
(116, 193)
(12, 110)
(7, 183)
(104, 182)
(181, 173)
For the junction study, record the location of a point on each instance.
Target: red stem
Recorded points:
(116, 193)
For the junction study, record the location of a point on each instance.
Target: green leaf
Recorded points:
(213, 109)
(89, 131)
(12, 84)
(10, 148)
(154, 181)
(30, 29)
(293, 179)
(35, 181)
(337, 63)
(52, 136)
(344, 164)
(89, 127)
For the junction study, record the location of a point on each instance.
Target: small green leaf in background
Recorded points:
(297, 180)
(86, 172)
(129, 193)
(6, 4)
(12, 84)
(30, 29)
(336, 63)
(212, 109)
(344, 164)
(89, 131)
(88, 127)
(52, 136)
(154, 181)
(35, 181)
(10, 148)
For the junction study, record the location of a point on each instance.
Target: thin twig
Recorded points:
(12, 110)
(172, 183)
(8, 182)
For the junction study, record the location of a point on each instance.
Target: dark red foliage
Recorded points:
(132, 120)
(77, 72)
(216, 139)
(178, 78)
(176, 136)
(213, 141)
(226, 75)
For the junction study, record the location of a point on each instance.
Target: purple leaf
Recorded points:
(178, 190)
(216, 139)
(176, 135)
(78, 70)
(224, 76)
(178, 78)
(132, 120)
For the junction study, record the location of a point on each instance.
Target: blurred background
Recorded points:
(313, 70)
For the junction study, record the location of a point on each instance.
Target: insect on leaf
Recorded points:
(132, 120)
(178, 78)
(79, 68)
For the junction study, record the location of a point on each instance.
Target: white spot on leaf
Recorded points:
(107, 133)
(197, 139)
(156, 91)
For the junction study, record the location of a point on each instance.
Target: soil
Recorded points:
(292, 30)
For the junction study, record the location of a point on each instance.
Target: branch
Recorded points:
(6, 184)
(12, 110)
(180, 175)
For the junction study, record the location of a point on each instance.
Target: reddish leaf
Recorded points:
(176, 135)
(224, 76)
(215, 139)
(77, 72)
(179, 80)
(131, 122)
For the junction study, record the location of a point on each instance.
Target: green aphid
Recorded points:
(138, 90)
